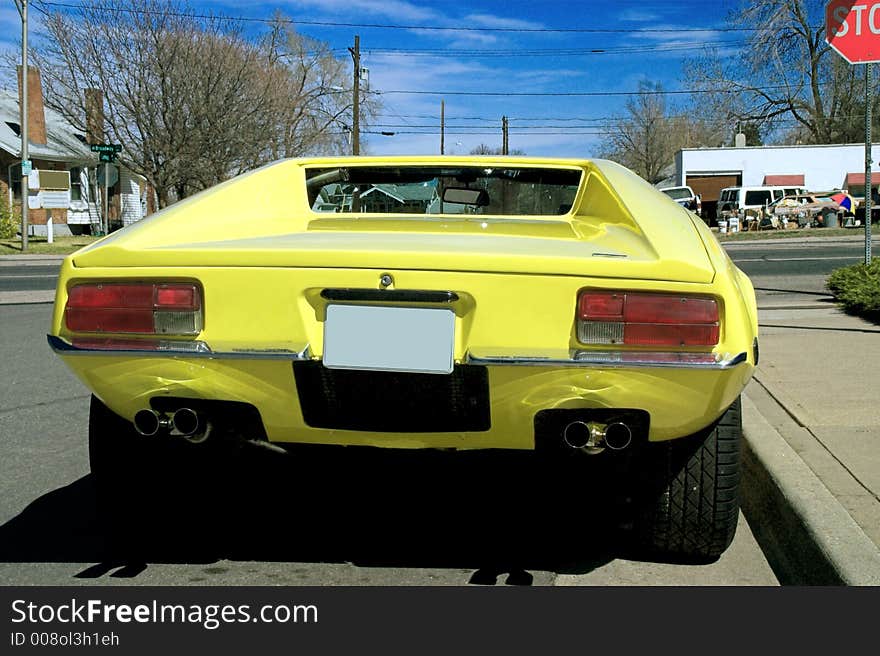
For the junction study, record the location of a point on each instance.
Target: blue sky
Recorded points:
(643, 43)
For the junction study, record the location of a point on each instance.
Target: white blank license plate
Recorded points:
(389, 338)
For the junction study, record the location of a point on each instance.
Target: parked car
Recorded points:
(806, 209)
(685, 197)
(557, 306)
(736, 200)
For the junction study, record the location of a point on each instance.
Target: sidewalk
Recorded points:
(812, 461)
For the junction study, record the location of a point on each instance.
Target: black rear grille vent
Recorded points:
(393, 402)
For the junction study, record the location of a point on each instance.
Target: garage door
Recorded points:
(709, 186)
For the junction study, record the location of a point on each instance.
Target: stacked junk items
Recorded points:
(814, 210)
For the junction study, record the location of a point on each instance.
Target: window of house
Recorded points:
(15, 180)
(76, 183)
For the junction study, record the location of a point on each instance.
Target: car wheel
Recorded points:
(689, 505)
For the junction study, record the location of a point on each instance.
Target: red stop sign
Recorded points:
(852, 28)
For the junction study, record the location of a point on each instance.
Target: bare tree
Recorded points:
(786, 77)
(641, 141)
(483, 149)
(193, 100)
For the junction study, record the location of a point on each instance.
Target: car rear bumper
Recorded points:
(680, 395)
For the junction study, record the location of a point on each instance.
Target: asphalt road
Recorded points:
(796, 267)
(15, 276)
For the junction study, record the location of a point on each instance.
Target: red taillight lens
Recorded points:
(604, 306)
(177, 297)
(639, 319)
(141, 308)
(110, 296)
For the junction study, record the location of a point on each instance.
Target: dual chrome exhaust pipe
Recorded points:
(594, 437)
(183, 422)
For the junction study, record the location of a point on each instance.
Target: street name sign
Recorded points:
(852, 28)
(106, 148)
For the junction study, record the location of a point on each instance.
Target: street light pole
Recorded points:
(24, 124)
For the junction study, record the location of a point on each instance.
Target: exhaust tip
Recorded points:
(576, 435)
(186, 421)
(147, 422)
(618, 436)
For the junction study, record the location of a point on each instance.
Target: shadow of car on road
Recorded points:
(490, 512)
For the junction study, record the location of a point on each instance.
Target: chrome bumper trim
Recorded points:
(201, 351)
(585, 359)
(612, 359)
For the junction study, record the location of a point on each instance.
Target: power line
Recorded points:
(580, 94)
(553, 52)
(394, 26)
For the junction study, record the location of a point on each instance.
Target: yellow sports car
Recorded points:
(560, 306)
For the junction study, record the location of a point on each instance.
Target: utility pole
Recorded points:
(442, 127)
(24, 124)
(868, 180)
(356, 100)
(504, 136)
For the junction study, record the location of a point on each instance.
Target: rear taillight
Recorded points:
(134, 308)
(637, 319)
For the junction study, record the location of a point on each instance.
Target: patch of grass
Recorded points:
(39, 246)
(857, 288)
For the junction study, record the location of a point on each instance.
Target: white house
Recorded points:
(56, 145)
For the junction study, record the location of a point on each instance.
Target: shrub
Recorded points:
(857, 287)
(9, 220)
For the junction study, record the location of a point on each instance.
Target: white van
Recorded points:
(734, 200)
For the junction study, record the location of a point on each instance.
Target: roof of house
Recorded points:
(63, 142)
(402, 193)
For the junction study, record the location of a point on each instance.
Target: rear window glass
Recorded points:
(677, 194)
(420, 190)
(758, 197)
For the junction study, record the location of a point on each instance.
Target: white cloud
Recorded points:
(638, 16)
(491, 21)
(354, 10)
(672, 34)
(459, 38)
(536, 145)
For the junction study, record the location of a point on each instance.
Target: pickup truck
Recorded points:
(685, 197)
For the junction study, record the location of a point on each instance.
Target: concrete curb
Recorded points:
(818, 239)
(808, 536)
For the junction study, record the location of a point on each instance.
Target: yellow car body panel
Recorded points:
(262, 257)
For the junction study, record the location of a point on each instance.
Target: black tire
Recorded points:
(689, 505)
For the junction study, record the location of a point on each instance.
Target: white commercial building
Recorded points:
(818, 168)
